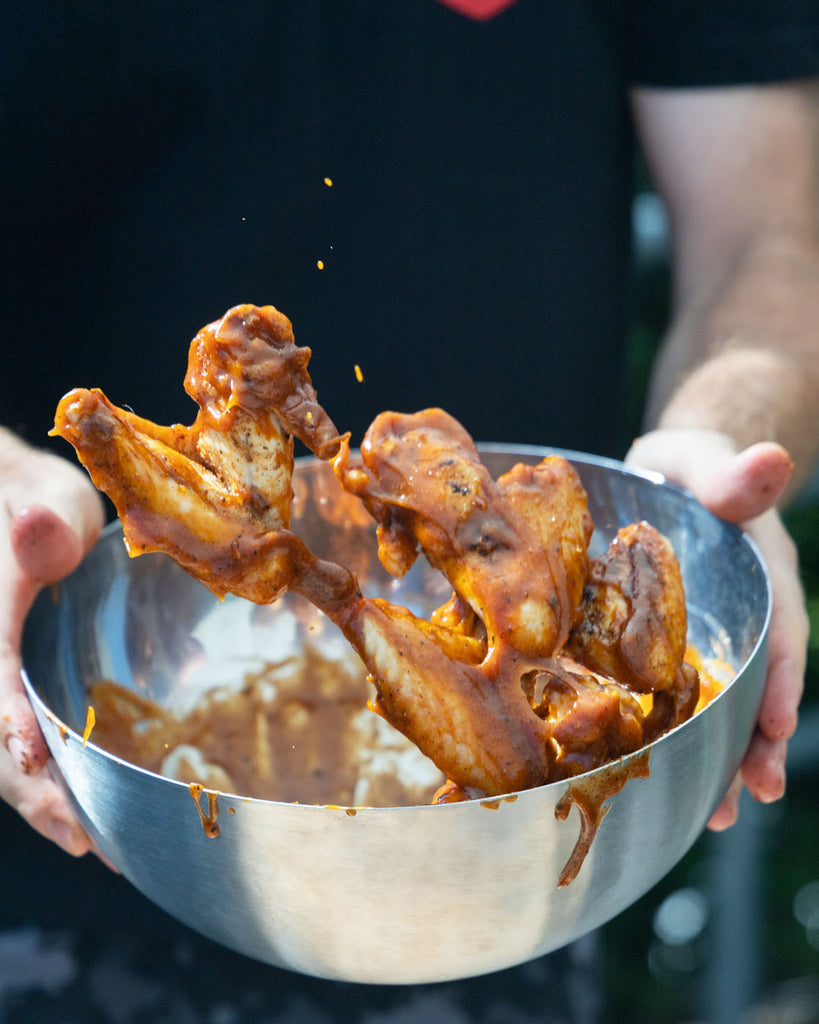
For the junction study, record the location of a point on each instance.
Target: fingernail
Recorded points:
(770, 796)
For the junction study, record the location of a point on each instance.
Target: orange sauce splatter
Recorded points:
(715, 673)
(328, 182)
(359, 376)
(90, 722)
(210, 821)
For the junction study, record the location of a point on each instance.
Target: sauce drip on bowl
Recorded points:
(588, 793)
(210, 820)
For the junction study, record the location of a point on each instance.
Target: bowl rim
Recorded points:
(113, 531)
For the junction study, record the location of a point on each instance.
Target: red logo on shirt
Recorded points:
(480, 10)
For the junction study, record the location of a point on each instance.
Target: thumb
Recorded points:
(45, 546)
(56, 516)
(748, 484)
(737, 486)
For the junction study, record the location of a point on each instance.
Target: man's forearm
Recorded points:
(743, 358)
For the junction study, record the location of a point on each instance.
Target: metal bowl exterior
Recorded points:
(390, 895)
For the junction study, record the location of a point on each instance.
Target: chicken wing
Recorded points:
(215, 496)
(525, 676)
(633, 624)
(514, 550)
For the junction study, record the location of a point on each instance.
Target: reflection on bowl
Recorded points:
(367, 893)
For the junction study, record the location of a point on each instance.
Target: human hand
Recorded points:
(50, 516)
(743, 487)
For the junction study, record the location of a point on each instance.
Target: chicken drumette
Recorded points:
(527, 675)
(215, 496)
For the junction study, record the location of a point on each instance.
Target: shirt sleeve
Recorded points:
(679, 43)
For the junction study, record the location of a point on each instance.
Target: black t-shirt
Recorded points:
(162, 162)
(171, 163)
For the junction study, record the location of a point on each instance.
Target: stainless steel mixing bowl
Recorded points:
(392, 895)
